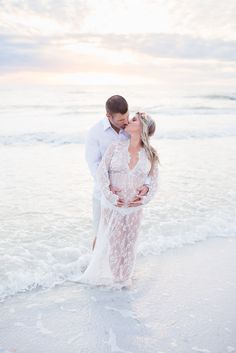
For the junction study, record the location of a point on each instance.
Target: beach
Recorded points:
(60, 63)
(180, 302)
(183, 294)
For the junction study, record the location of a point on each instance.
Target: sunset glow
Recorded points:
(117, 42)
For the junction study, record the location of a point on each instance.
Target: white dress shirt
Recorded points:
(99, 137)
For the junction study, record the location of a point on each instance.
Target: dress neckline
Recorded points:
(129, 157)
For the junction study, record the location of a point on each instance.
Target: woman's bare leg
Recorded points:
(94, 242)
(96, 218)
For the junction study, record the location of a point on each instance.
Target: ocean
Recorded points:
(46, 190)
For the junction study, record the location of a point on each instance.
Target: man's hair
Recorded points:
(116, 104)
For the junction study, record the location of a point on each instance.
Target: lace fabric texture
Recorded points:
(114, 255)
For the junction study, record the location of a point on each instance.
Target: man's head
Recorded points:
(117, 111)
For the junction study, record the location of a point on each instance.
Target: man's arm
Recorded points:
(92, 153)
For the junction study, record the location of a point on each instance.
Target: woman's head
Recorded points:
(144, 126)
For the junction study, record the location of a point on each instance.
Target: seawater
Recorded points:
(45, 186)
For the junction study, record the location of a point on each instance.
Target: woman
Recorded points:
(124, 166)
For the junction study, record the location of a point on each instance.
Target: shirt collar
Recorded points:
(107, 125)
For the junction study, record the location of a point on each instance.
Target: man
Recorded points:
(100, 136)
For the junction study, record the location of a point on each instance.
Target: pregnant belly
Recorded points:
(127, 194)
(127, 186)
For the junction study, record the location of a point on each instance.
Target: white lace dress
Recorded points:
(113, 259)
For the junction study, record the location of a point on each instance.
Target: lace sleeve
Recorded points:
(153, 185)
(103, 175)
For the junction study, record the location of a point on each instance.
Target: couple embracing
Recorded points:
(125, 170)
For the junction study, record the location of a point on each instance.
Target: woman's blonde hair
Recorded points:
(148, 129)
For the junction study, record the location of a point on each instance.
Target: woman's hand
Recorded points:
(120, 202)
(135, 202)
(143, 190)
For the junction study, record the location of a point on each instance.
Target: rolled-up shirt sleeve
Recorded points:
(92, 153)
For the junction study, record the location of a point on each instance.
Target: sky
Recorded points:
(118, 42)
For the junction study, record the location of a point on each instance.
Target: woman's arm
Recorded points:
(103, 175)
(153, 185)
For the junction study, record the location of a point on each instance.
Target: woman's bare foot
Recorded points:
(94, 242)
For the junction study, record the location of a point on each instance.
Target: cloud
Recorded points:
(211, 19)
(195, 37)
(172, 46)
(29, 17)
(55, 51)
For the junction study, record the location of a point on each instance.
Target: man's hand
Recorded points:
(114, 189)
(120, 203)
(135, 202)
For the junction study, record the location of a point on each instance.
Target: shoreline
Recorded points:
(181, 301)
